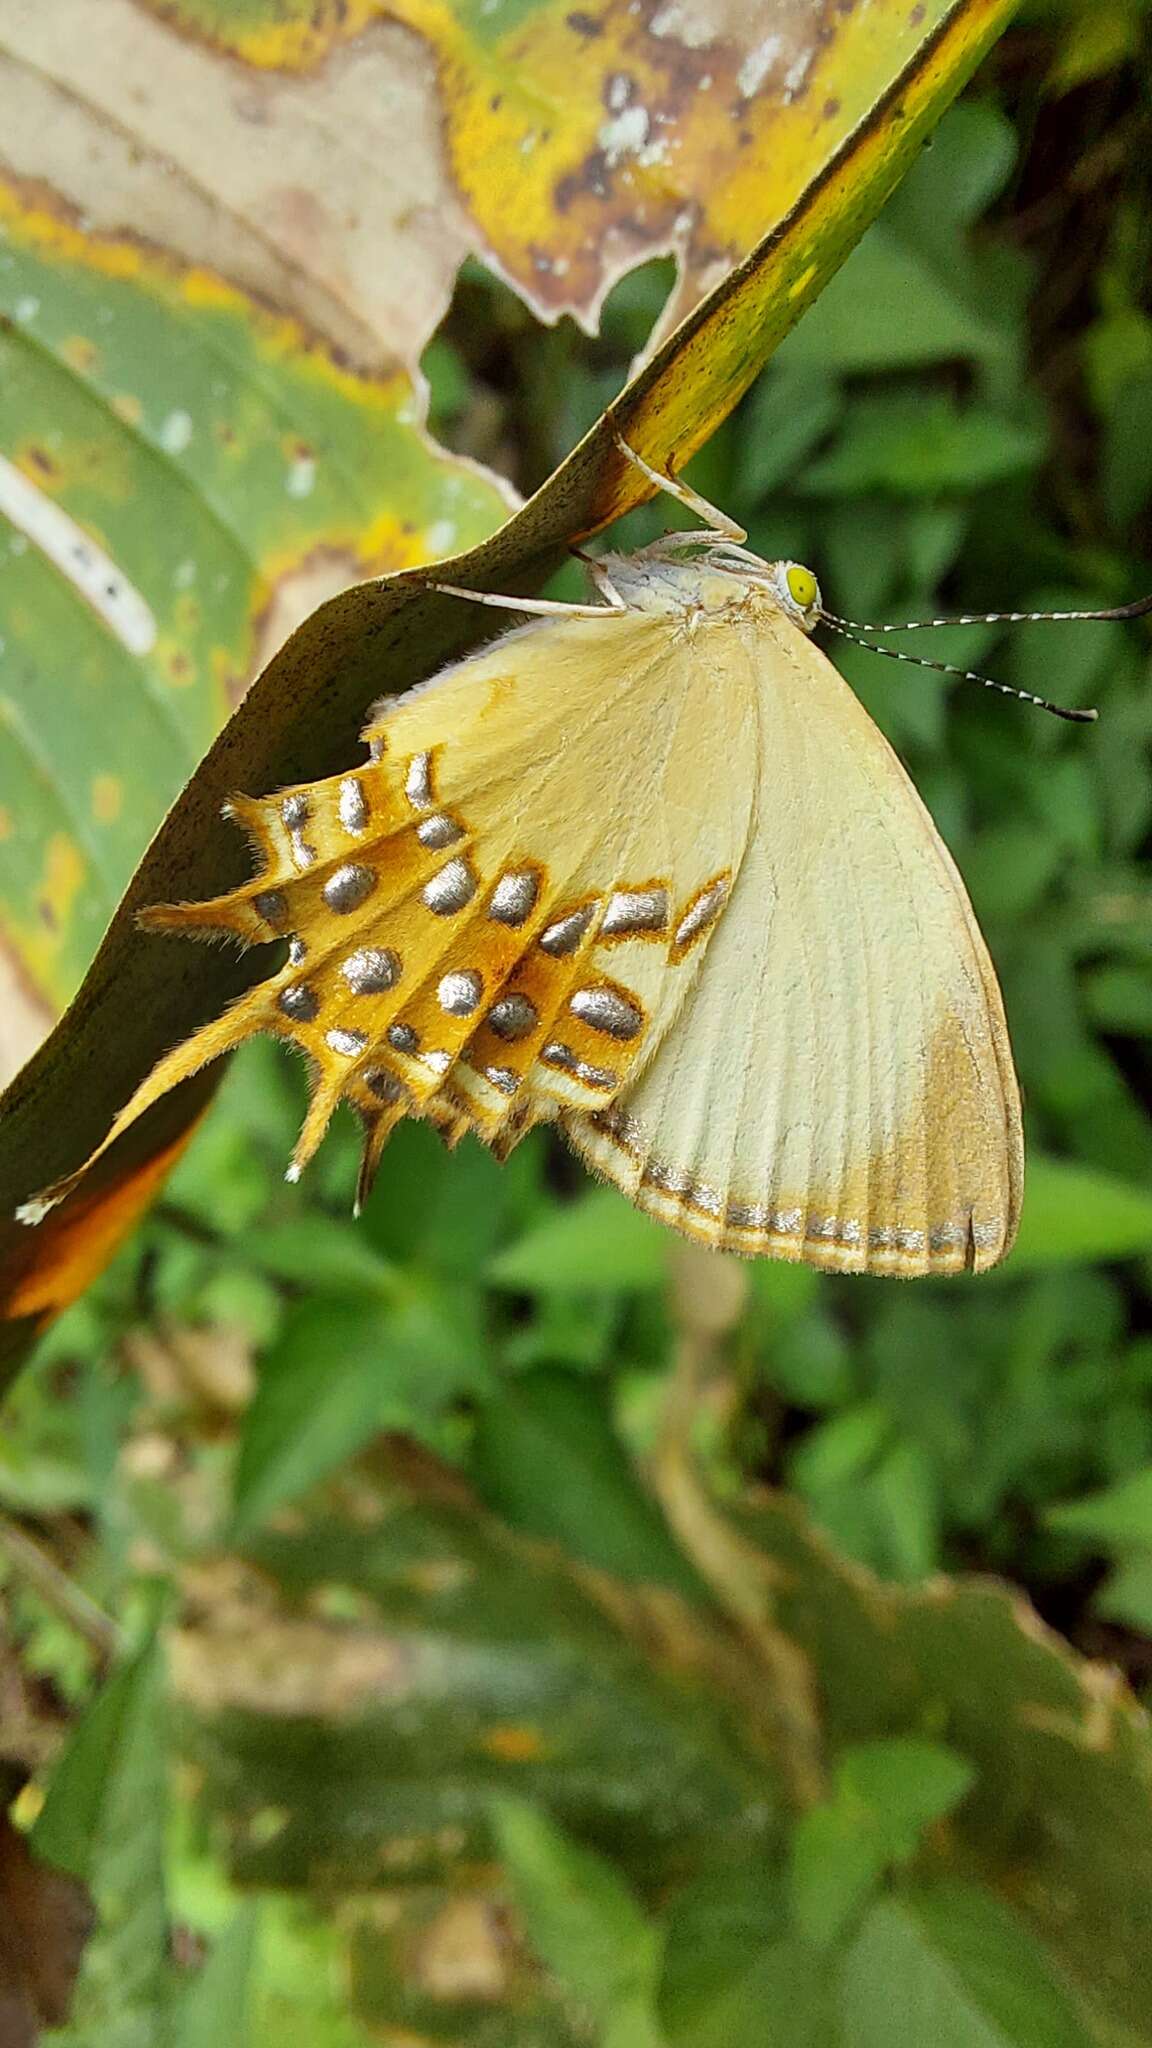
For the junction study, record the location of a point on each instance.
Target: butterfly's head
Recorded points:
(798, 593)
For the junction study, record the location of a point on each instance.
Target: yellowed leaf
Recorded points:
(582, 136)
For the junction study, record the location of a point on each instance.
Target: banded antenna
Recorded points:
(855, 629)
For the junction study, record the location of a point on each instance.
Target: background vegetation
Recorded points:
(478, 1735)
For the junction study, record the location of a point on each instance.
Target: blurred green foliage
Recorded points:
(964, 420)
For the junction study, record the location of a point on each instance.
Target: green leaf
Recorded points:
(887, 446)
(583, 1919)
(1118, 1515)
(210, 449)
(950, 1966)
(1074, 1214)
(886, 310)
(104, 1821)
(338, 1372)
(215, 2008)
(904, 1784)
(323, 1252)
(1126, 1594)
(837, 1863)
(886, 1795)
(790, 410)
(716, 1933)
(753, 1988)
(594, 1243)
(1128, 450)
(546, 1455)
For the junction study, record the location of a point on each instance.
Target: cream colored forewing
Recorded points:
(839, 1085)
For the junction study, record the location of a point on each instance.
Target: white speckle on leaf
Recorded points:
(184, 575)
(796, 73)
(756, 66)
(625, 134)
(26, 308)
(301, 479)
(682, 25)
(77, 556)
(440, 536)
(176, 432)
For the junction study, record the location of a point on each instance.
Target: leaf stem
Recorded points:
(708, 1290)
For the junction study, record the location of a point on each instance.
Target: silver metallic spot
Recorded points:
(383, 1085)
(631, 911)
(347, 1042)
(595, 1077)
(893, 1237)
(514, 897)
(557, 1054)
(680, 1182)
(785, 1222)
(297, 951)
(370, 971)
(272, 906)
(502, 1078)
(438, 1061)
(513, 1016)
(702, 911)
(605, 1009)
(377, 747)
(945, 1237)
(353, 804)
(403, 1038)
(672, 1180)
(418, 784)
(823, 1226)
(439, 830)
(746, 1216)
(296, 811)
(985, 1236)
(459, 992)
(349, 886)
(565, 935)
(299, 1001)
(452, 889)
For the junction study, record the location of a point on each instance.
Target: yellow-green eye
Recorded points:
(803, 588)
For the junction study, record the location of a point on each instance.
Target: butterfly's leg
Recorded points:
(717, 521)
(598, 571)
(538, 607)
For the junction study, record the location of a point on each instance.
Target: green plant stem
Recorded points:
(58, 1591)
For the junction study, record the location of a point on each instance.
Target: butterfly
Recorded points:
(647, 870)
